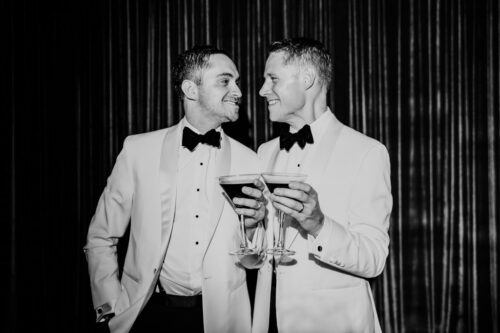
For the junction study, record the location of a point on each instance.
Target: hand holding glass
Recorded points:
(233, 186)
(274, 180)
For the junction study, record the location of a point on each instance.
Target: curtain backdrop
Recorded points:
(423, 77)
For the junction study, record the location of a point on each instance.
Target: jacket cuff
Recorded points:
(104, 310)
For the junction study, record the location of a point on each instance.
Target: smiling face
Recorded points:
(218, 92)
(283, 89)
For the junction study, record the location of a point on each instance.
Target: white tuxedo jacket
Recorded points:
(325, 288)
(142, 190)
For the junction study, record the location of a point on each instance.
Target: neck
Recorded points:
(201, 122)
(312, 110)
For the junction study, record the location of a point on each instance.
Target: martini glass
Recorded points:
(232, 186)
(274, 180)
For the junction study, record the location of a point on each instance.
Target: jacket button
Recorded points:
(154, 271)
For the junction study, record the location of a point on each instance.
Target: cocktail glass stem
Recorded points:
(242, 232)
(280, 244)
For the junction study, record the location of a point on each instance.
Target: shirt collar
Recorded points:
(318, 127)
(185, 123)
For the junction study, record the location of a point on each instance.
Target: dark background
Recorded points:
(420, 76)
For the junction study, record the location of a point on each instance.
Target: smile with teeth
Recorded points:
(272, 101)
(232, 101)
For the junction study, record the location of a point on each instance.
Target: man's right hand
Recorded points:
(102, 326)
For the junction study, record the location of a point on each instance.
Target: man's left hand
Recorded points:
(300, 201)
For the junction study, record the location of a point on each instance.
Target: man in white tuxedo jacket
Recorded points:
(178, 274)
(337, 220)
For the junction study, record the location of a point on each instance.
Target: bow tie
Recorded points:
(190, 139)
(302, 137)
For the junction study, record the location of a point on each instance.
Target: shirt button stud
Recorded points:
(320, 248)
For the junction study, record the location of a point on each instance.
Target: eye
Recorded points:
(224, 82)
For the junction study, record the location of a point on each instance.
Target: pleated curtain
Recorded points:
(423, 77)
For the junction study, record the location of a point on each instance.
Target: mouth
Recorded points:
(234, 101)
(271, 102)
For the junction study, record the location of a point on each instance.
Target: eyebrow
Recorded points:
(237, 78)
(225, 74)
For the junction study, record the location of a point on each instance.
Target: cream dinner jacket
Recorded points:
(142, 189)
(324, 288)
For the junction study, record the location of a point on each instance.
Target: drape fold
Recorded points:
(421, 76)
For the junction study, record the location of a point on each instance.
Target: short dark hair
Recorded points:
(306, 51)
(190, 63)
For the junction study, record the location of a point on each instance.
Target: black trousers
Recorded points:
(273, 325)
(164, 313)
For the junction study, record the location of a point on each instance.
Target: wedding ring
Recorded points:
(300, 211)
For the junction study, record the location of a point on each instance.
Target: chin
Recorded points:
(233, 116)
(275, 117)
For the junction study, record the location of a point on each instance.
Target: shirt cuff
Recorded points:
(317, 245)
(104, 310)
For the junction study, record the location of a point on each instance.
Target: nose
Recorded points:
(237, 91)
(264, 89)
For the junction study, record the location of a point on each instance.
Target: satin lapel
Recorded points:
(222, 168)
(314, 167)
(168, 181)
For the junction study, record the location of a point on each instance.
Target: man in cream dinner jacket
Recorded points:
(181, 228)
(337, 220)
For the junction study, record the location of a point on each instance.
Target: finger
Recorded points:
(291, 193)
(290, 203)
(260, 185)
(253, 192)
(287, 210)
(251, 215)
(301, 186)
(246, 212)
(250, 203)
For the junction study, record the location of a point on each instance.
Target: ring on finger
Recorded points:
(300, 211)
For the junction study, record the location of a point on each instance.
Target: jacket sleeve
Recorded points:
(361, 246)
(108, 225)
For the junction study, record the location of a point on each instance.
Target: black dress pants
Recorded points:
(273, 325)
(166, 313)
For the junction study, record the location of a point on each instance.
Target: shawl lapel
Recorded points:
(168, 183)
(314, 167)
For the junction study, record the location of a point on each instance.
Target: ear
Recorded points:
(308, 77)
(190, 90)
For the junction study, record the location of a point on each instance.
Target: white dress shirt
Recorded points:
(182, 269)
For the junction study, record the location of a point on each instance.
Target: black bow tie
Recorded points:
(190, 139)
(302, 137)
